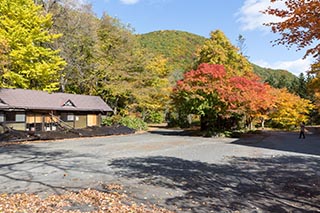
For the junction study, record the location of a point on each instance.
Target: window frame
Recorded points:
(15, 117)
(67, 117)
(2, 117)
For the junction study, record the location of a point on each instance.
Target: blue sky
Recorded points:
(200, 17)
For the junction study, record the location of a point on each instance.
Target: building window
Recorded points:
(15, 117)
(10, 117)
(67, 117)
(70, 117)
(1, 117)
(20, 117)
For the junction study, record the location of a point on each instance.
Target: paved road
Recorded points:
(264, 173)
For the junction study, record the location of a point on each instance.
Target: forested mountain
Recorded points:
(180, 48)
(275, 77)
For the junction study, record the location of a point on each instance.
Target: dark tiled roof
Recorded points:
(32, 99)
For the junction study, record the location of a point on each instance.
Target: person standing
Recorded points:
(302, 130)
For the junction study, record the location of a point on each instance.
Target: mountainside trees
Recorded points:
(177, 46)
(28, 61)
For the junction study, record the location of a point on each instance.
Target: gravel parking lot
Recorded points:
(270, 172)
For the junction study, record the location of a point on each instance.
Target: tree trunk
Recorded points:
(262, 123)
(204, 122)
(115, 109)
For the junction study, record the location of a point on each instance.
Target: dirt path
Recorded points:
(272, 172)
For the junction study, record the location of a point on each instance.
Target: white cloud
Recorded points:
(251, 16)
(295, 67)
(129, 1)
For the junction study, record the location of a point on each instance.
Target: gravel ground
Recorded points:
(270, 172)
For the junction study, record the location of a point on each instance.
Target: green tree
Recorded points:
(302, 88)
(271, 81)
(32, 64)
(78, 44)
(129, 77)
(219, 50)
(282, 83)
(119, 64)
(294, 87)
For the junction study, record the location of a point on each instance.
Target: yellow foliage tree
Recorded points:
(219, 50)
(25, 39)
(290, 109)
(153, 89)
(4, 59)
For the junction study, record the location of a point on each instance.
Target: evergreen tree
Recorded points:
(302, 88)
(271, 81)
(294, 87)
(282, 83)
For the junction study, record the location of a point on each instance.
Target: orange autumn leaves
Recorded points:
(209, 91)
(87, 200)
(300, 25)
(209, 88)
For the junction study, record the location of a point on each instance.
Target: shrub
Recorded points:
(155, 117)
(128, 121)
(175, 119)
(108, 121)
(133, 123)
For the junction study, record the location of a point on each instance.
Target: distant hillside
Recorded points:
(275, 77)
(180, 48)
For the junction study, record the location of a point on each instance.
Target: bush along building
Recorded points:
(32, 110)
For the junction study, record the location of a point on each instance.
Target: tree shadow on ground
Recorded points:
(284, 141)
(280, 184)
(174, 132)
(39, 170)
(276, 140)
(166, 131)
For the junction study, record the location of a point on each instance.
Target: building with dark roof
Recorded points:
(33, 110)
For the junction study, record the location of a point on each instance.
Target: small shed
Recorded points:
(33, 110)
